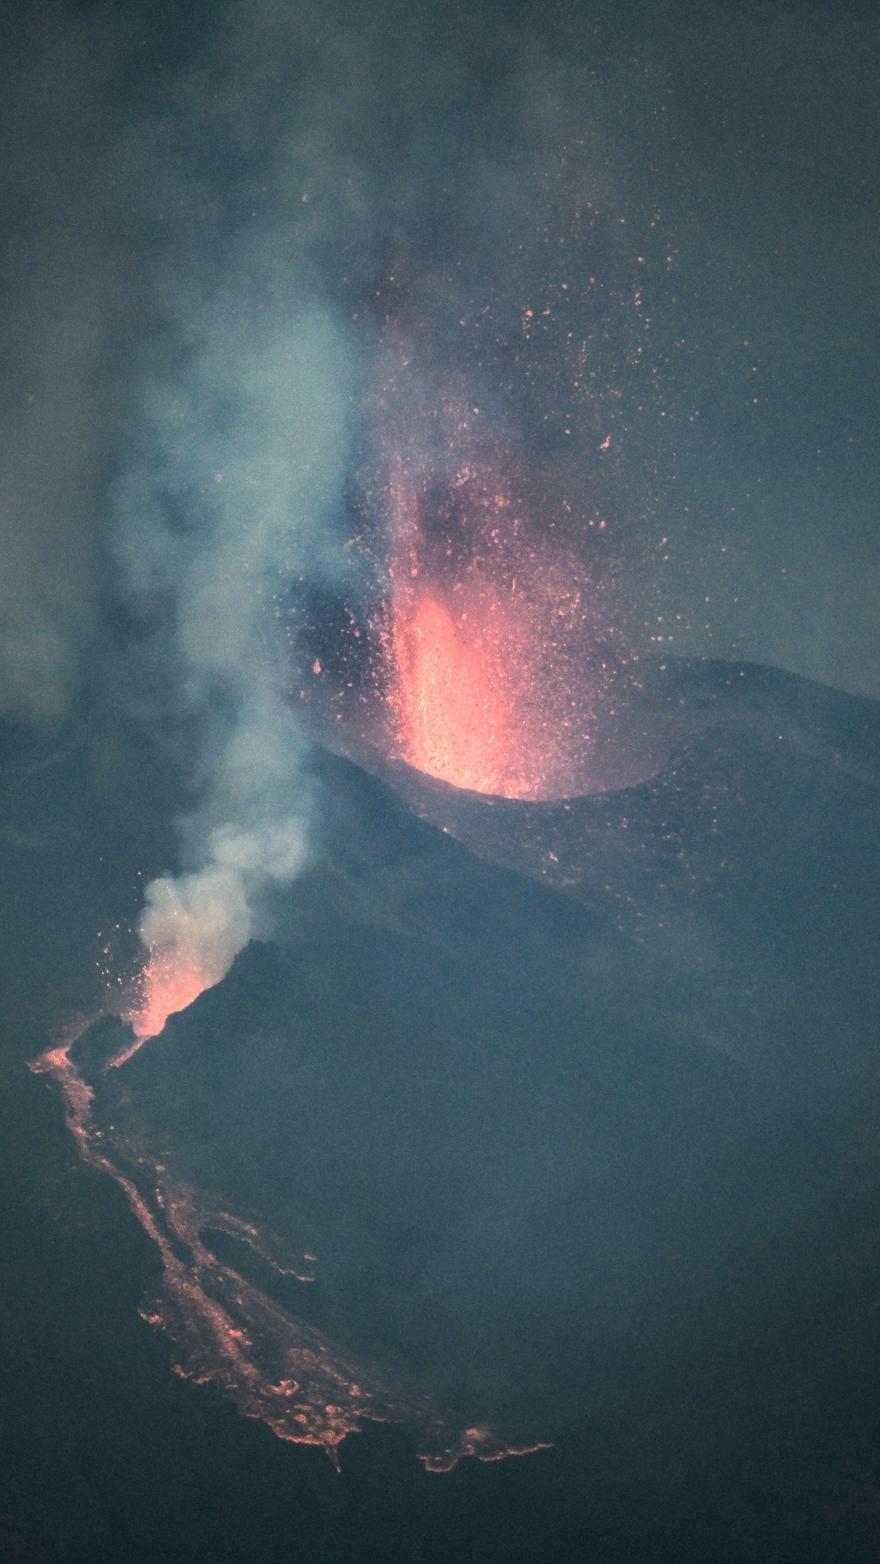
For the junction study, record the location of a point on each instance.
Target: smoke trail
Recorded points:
(240, 476)
(193, 926)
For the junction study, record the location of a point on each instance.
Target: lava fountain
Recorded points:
(494, 663)
(164, 987)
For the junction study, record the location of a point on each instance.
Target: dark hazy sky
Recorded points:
(201, 213)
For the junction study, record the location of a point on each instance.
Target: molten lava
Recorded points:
(226, 1330)
(455, 696)
(487, 640)
(165, 986)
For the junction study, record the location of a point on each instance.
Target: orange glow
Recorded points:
(226, 1331)
(495, 640)
(164, 987)
(455, 697)
(486, 641)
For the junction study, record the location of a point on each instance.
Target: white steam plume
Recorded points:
(242, 472)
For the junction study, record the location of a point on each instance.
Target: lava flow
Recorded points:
(226, 1330)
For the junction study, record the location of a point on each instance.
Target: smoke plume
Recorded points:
(211, 223)
(235, 496)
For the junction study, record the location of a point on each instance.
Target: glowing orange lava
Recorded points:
(486, 642)
(496, 644)
(165, 988)
(455, 697)
(228, 1332)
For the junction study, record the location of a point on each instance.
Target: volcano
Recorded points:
(534, 1118)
